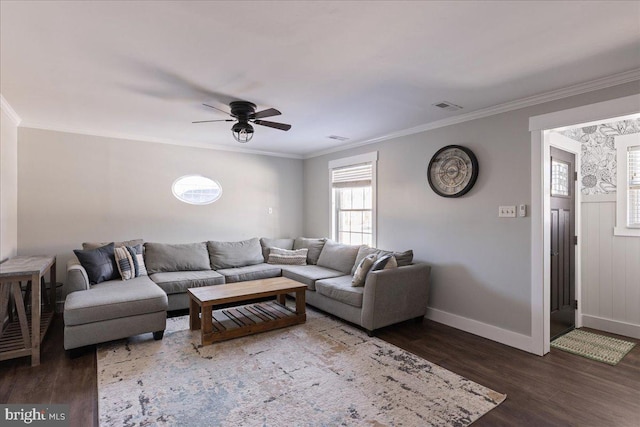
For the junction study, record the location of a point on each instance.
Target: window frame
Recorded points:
(180, 198)
(372, 158)
(622, 144)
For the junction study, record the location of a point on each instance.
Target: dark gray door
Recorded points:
(563, 241)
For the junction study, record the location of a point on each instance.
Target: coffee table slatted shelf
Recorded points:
(223, 324)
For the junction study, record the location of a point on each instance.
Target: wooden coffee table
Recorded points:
(220, 325)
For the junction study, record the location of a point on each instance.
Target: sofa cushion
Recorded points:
(174, 282)
(308, 274)
(114, 299)
(314, 245)
(288, 257)
(99, 263)
(235, 254)
(338, 256)
(340, 289)
(161, 257)
(267, 244)
(94, 245)
(250, 272)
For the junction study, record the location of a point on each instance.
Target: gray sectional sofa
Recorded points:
(116, 309)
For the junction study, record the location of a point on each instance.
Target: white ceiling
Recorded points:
(362, 69)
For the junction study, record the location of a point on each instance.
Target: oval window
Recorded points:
(196, 189)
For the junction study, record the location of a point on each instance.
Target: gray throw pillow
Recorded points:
(267, 244)
(314, 245)
(362, 270)
(100, 263)
(385, 262)
(365, 251)
(404, 258)
(338, 256)
(160, 257)
(235, 254)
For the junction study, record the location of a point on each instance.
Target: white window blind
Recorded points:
(633, 168)
(353, 199)
(352, 176)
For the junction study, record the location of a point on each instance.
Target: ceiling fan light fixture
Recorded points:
(242, 132)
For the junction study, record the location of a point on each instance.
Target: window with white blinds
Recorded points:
(353, 197)
(627, 185)
(633, 189)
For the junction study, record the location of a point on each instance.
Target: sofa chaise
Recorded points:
(116, 308)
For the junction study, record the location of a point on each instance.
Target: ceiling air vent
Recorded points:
(338, 138)
(447, 106)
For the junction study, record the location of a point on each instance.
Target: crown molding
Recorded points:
(4, 106)
(602, 83)
(182, 143)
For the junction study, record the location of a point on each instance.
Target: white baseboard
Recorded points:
(494, 333)
(610, 325)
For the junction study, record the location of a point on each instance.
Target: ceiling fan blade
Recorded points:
(216, 108)
(209, 121)
(270, 112)
(274, 125)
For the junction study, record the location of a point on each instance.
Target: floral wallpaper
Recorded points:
(599, 154)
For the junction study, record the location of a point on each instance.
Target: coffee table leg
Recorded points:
(194, 315)
(207, 325)
(282, 299)
(301, 303)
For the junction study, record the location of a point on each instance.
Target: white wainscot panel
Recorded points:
(610, 271)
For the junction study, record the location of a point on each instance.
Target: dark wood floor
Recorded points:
(556, 390)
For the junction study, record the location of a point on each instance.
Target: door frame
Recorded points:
(541, 140)
(557, 140)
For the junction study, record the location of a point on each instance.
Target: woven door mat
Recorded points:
(593, 346)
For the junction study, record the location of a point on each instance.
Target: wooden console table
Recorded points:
(15, 340)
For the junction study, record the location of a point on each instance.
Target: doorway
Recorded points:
(562, 242)
(541, 141)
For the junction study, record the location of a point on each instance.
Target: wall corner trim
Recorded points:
(494, 333)
(4, 106)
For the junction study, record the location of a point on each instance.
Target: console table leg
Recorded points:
(22, 315)
(36, 310)
(52, 291)
(4, 302)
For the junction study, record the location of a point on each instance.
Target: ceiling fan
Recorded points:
(244, 113)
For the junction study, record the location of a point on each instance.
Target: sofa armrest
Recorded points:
(395, 295)
(77, 279)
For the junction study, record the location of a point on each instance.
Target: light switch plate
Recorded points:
(522, 210)
(507, 211)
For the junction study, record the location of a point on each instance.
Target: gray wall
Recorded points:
(8, 187)
(481, 263)
(75, 188)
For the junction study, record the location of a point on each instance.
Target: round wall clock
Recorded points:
(452, 171)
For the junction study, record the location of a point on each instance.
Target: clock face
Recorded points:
(452, 171)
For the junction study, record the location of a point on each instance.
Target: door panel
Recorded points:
(562, 242)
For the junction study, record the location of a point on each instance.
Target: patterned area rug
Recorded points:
(593, 346)
(321, 373)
